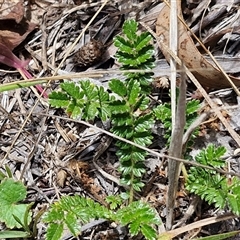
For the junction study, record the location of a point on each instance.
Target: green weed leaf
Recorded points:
(118, 87)
(71, 211)
(192, 106)
(212, 156)
(104, 109)
(138, 216)
(234, 196)
(114, 201)
(59, 99)
(148, 232)
(12, 193)
(123, 44)
(89, 89)
(125, 103)
(143, 40)
(211, 185)
(72, 89)
(119, 107)
(74, 109)
(133, 91)
(144, 123)
(54, 231)
(163, 113)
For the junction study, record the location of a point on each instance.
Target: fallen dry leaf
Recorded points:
(207, 75)
(16, 13)
(61, 177)
(14, 27)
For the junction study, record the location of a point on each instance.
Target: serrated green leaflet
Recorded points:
(138, 171)
(103, 95)
(74, 110)
(59, 99)
(130, 29)
(72, 89)
(92, 110)
(148, 232)
(54, 231)
(193, 106)
(118, 107)
(89, 89)
(133, 91)
(143, 40)
(134, 227)
(234, 196)
(144, 123)
(123, 45)
(72, 223)
(118, 87)
(142, 139)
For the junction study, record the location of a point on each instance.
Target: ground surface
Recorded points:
(52, 155)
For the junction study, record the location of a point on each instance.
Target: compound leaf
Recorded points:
(138, 215)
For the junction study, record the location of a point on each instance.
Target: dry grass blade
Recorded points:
(173, 43)
(198, 224)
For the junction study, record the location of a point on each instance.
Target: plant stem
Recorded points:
(175, 150)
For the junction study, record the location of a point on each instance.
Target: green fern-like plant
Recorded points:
(126, 105)
(135, 51)
(130, 122)
(84, 100)
(212, 186)
(74, 211)
(139, 217)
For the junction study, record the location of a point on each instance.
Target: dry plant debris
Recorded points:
(48, 155)
(89, 54)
